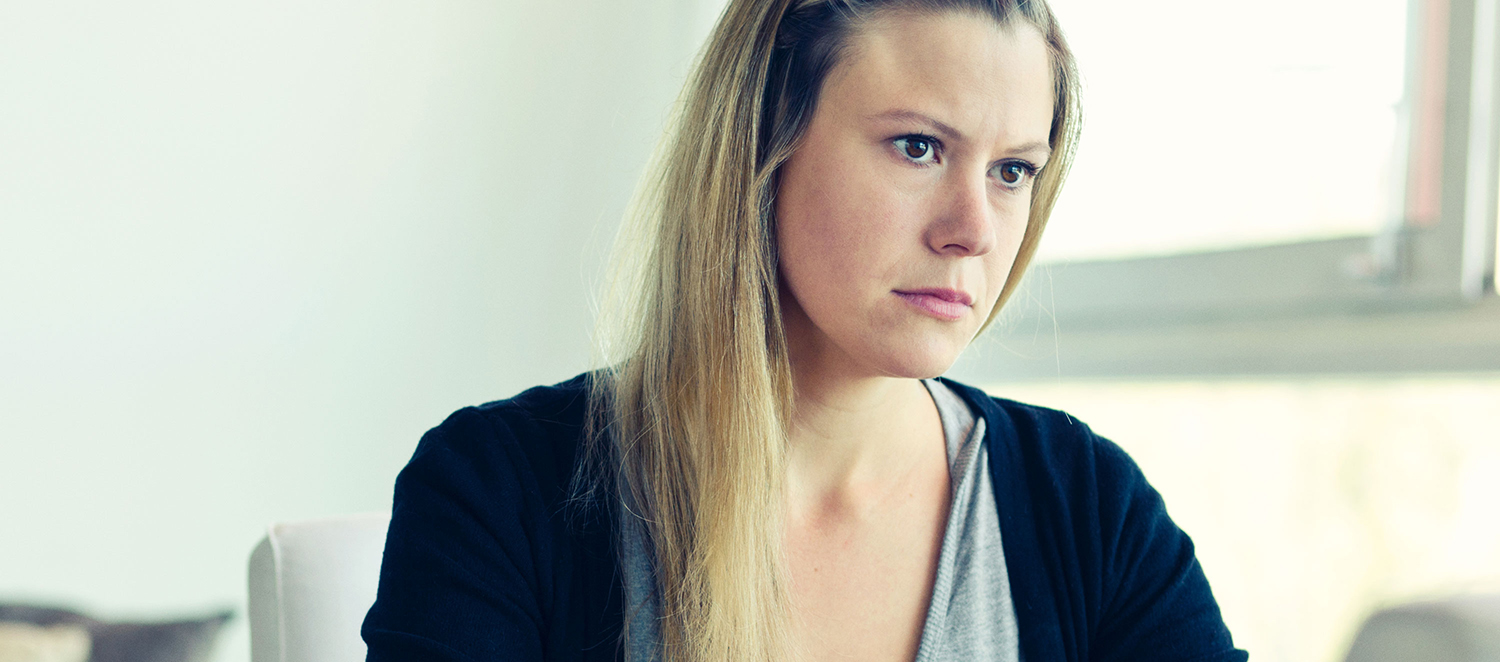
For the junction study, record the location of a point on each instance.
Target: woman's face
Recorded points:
(900, 214)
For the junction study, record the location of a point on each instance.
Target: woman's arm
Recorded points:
(1156, 603)
(1098, 571)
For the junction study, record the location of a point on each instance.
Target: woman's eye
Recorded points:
(916, 148)
(1014, 174)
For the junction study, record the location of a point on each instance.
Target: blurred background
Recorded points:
(249, 254)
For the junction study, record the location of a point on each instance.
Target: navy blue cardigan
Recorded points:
(487, 558)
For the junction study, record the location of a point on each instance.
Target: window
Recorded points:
(1284, 134)
(1270, 192)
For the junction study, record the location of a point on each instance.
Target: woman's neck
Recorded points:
(854, 437)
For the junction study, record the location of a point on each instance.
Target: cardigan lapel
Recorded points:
(1031, 568)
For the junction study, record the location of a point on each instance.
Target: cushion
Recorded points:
(190, 640)
(1463, 628)
(24, 642)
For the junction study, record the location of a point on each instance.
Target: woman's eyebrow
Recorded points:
(1039, 148)
(943, 130)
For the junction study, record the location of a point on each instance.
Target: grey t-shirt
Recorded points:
(970, 617)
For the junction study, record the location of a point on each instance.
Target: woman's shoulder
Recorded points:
(479, 555)
(1056, 463)
(541, 416)
(1040, 434)
(533, 438)
(1083, 527)
(558, 409)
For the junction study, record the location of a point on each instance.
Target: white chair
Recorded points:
(310, 585)
(1459, 629)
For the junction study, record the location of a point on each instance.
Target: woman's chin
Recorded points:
(927, 363)
(904, 353)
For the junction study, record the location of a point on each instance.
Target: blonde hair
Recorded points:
(688, 419)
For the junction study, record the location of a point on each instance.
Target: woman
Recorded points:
(767, 469)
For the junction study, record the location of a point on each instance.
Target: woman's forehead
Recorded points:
(965, 68)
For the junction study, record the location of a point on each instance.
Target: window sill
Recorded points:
(1458, 339)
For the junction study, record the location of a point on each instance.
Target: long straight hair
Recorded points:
(688, 418)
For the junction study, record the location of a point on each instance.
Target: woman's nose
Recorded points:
(964, 218)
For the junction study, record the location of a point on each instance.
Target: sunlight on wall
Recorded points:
(1313, 502)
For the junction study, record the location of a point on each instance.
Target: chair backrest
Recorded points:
(310, 585)
(1458, 629)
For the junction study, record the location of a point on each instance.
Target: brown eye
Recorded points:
(916, 148)
(1013, 174)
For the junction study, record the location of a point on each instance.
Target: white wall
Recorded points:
(249, 253)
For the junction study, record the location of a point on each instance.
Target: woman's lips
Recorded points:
(942, 304)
